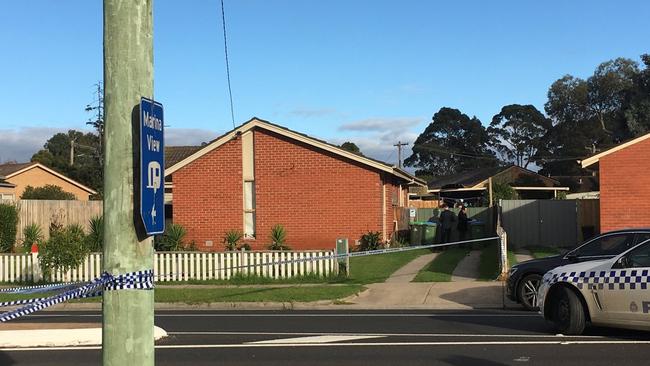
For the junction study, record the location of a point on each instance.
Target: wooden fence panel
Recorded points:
(61, 212)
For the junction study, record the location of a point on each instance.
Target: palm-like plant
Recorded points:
(231, 239)
(32, 234)
(278, 238)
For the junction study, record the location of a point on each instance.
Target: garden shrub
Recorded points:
(47, 192)
(8, 223)
(370, 241)
(173, 239)
(32, 234)
(278, 238)
(66, 249)
(95, 238)
(231, 239)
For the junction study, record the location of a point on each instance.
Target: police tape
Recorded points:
(51, 287)
(357, 254)
(145, 279)
(140, 280)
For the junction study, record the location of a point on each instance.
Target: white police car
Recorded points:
(612, 292)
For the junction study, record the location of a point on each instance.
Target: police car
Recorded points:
(611, 292)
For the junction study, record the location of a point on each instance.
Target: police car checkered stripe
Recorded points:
(142, 280)
(612, 280)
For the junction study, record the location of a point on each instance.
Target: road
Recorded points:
(358, 338)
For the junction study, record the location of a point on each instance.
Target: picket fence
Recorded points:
(184, 266)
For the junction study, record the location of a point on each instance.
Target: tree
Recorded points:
(76, 155)
(516, 132)
(450, 144)
(47, 192)
(637, 108)
(351, 147)
(607, 88)
(592, 115)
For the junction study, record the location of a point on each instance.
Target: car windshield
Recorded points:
(606, 245)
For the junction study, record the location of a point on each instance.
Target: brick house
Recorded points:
(261, 174)
(15, 177)
(624, 184)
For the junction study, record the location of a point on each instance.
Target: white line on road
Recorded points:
(364, 344)
(315, 339)
(338, 315)
(451, 335)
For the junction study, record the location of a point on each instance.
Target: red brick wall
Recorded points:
(208, 195)
(315, 195)
(625, 188)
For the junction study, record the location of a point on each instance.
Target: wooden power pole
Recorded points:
(128, 76)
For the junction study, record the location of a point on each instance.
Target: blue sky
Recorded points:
(372, 72)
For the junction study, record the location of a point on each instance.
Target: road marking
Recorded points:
(362, 344)
(315, 339)
(350, 315)
(454, 335)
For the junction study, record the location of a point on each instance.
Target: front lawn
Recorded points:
(489, 264)
(442, 266)
(543, 252)
(378, 267)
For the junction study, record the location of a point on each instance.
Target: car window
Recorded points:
(641, 237)
(639, 257)
(606, 245)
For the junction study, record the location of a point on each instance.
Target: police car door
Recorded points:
(626, 296)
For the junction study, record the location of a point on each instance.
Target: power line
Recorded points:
(225, 48)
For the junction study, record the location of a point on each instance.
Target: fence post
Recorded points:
(343, 263)
(37, 274)
(503, 251)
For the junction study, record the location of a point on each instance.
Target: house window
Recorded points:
(249, 209)
(7, 196)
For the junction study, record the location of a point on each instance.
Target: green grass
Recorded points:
(377, 268)
(542, 252)
(441, 267)
(237, 294)
(488, 268)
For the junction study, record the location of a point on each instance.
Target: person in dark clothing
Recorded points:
(462, 224)
(447, 219)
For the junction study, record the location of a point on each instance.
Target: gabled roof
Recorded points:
(7, 170)
(478, 177)
(596, 158)
(174, 154)
(297, 136)
(11, 170)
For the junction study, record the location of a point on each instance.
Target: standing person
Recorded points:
(462, 223)
(447, 219)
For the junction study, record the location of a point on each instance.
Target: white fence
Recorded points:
(184, 266)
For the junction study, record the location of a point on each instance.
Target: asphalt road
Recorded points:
(358, 338)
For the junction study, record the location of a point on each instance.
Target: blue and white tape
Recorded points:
(360, 254)
(140, 280)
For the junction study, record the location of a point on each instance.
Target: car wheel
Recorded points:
(527, 291)
(568, 315)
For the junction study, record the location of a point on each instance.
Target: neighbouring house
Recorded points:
(473, 186)
(261, 174)
(14, 178)
(624, 184)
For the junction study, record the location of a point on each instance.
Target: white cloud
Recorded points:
(381, 124)
(21, 143)
(313, 112)
(188, 136)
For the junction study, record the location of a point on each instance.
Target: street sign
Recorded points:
(152, 166)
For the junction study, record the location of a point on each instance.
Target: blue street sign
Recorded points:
(152, 166)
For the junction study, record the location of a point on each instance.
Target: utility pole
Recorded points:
(399, 145)
(128, 76)
(72, 141)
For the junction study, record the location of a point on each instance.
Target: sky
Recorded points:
(371, 72)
